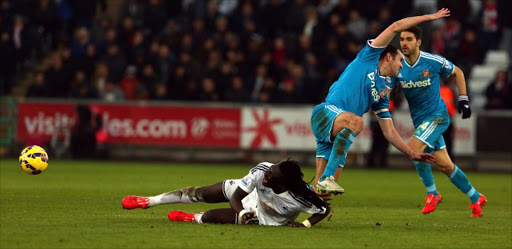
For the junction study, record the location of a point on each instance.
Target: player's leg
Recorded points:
(334, 128)
(321, 163)
(460, 180)
(346, 126)
(210, 194)
(221, 216)
(426, 138)
(423, 168)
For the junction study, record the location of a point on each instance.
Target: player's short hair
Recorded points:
(389, 49)
(418, 33)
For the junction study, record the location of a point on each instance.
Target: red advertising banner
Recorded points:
(37, 121)
(133, 124)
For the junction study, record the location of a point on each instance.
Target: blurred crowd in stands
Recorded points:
(269, 51)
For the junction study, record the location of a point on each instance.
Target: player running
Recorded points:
(271, 194)
(420, 81)
(337, 121)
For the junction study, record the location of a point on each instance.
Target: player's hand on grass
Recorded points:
(464, 106)
(444, 12)
(423, 157)
(292, 223)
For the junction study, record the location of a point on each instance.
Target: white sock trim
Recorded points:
(471, 192)
(452, 175)
(154, 200)
(431, 188)
(198, 217)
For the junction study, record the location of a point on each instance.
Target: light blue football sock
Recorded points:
(425, 171)
(339, 151)
(460, 180)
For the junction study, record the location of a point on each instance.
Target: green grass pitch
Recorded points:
(77, 204)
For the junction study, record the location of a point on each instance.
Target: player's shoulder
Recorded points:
(263, 166)
(361, 66)
(299, 200)
(432, 58)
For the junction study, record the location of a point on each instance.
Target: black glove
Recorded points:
(464, 106)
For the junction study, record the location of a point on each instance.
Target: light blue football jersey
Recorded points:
(361, 87)
(421, 85)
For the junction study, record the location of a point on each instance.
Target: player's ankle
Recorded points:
(153, 201)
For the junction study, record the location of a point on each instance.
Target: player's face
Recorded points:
(396, 64)
(271, 177)
(408, 43)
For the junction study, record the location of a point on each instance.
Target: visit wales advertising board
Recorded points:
(137, 124)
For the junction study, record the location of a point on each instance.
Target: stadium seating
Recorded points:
(482, 75)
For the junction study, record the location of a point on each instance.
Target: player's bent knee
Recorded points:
(355, 123)
(349, 120)
(358, 124)
(445, 168)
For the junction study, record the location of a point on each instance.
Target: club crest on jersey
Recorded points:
(426, 73)
(382, 93)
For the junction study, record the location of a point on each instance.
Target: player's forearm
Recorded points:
(460, 80)
(236, 200)
(315, 218)
(408, 22)
(387, 35)
(236, 205)
(394, 138)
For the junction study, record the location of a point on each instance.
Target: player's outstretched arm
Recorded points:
(389, 131)
(312, 220)
(463, 94)
(387, 35)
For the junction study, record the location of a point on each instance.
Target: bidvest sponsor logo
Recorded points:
(411, 84)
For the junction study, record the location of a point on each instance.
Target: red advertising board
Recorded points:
(134, 124)
(37, 121)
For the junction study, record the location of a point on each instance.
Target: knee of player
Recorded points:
(356, 124)
(348, 120)
(446, 168)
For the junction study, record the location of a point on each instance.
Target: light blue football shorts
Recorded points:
(430, 132)
(322, 120)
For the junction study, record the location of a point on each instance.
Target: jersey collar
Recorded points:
(377, 73)
(415, 63)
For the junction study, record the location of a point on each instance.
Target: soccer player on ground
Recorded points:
(420, 81)
(271, 194)
(337, 121)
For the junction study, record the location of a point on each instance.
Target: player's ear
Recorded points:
(419, 42)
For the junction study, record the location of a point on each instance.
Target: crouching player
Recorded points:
(271, 194)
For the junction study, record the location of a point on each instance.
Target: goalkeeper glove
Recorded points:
(464, 106)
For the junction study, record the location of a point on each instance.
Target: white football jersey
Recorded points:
(272, 209)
